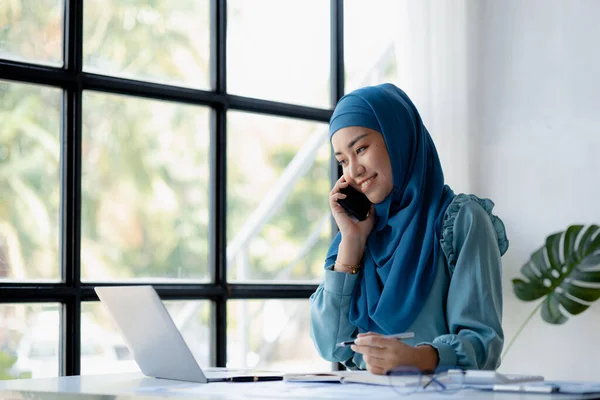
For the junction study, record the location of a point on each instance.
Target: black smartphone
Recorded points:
(356, 203)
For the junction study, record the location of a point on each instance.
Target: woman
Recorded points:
(427, 260)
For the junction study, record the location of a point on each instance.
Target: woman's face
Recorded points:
(365, 161)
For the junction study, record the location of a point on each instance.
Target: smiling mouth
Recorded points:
(366, 184)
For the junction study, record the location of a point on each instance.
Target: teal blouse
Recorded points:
(462, 317)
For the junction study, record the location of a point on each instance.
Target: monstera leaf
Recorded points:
(566, 270)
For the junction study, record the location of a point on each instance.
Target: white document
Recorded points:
(365, 377)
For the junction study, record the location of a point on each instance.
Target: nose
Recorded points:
(356, 169)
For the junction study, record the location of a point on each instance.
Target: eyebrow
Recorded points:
(353, 142)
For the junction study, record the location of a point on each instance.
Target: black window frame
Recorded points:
(71, 78)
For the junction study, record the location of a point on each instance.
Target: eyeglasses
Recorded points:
(407, 380)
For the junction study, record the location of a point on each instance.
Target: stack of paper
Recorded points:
(356, 377)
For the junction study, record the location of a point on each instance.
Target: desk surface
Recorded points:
(136, 386)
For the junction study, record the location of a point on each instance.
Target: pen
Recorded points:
(253, 378)
(399, 336)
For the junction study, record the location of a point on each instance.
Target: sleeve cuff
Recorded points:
(446, 354)
(339, 282)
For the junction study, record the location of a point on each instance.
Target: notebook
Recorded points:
(486, 377)
(355, 377)
(466, 377)
(156, 343)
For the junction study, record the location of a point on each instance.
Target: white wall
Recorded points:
(535, 127)
(432, 63)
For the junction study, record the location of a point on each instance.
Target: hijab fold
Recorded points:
(399, 261)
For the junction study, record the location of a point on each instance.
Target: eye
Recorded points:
(342, 162)
(361, 149)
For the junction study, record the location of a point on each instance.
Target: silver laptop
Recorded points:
(154, 340)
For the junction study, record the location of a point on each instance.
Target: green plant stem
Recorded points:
(521, 329)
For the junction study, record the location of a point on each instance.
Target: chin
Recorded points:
(375, 198)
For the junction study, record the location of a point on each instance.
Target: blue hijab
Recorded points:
(399, 261)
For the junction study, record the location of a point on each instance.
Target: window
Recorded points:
(371, 35)
(33, 31)
(277, 214)
(144, 189)
(179, 144)
(279, 50)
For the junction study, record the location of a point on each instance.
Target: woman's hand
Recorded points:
(383, 354)
(350, 228)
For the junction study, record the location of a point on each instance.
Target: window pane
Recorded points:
(271, 334)
(370, 30)
(103, 349)
(29, 181)
(162, 41)
(278, 218)
(279, 50)
(145, 174)
(32, 31)
(29, 340)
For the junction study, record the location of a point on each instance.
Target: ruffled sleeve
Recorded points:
(447, 237)
(473, 242)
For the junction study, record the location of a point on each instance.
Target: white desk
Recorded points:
(136, 386)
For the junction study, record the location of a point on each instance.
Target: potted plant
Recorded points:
(565, 271)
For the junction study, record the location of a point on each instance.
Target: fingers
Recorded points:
(336, 196)
(336, 208)
(378, 360)
(370, 352)
(335, 193)
(339, 184)
(367, 334)
(376, 369)
(382, 353)
(378, 366)
(374, 340)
